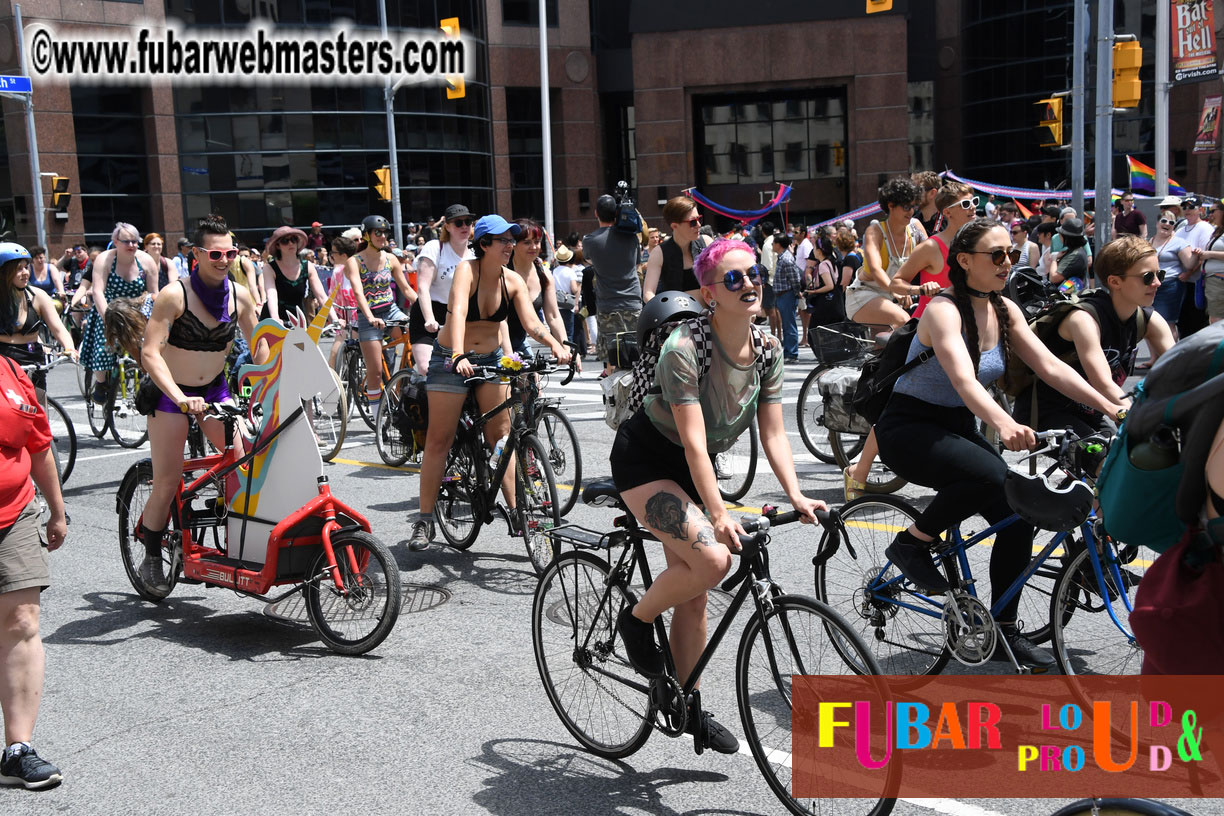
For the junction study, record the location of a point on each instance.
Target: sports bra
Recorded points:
(190, 334)
(499, 314)
(32, 323)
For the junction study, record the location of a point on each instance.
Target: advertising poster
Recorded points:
(1208, 135)
(1194, 49)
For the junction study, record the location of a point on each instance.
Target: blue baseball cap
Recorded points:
(494, 225)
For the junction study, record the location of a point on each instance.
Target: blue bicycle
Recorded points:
(1081, 579)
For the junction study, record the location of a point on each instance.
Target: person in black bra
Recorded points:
(526, 262)
(186, 341)
(670, 266)
(286, 295)
(481, 296)
(24, 311)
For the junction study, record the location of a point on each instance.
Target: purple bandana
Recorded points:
(216, 301)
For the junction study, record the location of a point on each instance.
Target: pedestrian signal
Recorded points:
(1051, 126)
(1127, 59)
(60, 197)
(383, 187)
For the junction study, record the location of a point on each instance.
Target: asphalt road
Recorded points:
(210, 703)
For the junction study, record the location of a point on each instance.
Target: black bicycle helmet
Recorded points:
(1045, 506)
(665, 307)
(373, 222)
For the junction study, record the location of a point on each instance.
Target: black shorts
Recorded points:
(416, 323)
(24, 354)
(642, 454)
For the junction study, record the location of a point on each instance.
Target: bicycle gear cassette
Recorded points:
(971, 629)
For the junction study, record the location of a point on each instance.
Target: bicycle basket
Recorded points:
(837, 392)
(838, 342)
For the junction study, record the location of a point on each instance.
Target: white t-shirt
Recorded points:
(444, 260)
(1196, 236)
(563, 276)
(805, 249)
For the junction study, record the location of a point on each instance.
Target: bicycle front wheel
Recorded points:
(64, 438)
(456, 510)
(1120, 807)
(127, 425)
(98, 412)
(535, 498)
(811, 416)
(556, 433)
(130, 503)
(357, 388)
(582, 664)
(799, 636)
(394, 446)
(354, 609)
(1090, 616)
(902, 625)
(329, 418)
(736, 467)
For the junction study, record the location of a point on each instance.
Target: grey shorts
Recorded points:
(1213, 288)
(23, 559)
(366, 332)
(610, 324)
(442, 378)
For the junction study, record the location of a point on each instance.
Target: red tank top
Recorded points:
(926, 277)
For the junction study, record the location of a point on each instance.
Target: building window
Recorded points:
(526, 149)
(787, 136)
(921, 126)
(111, 159)
(527, 12)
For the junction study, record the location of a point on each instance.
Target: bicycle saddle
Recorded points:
(1045, 506)
(601, 494)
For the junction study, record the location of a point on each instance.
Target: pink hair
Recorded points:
(709, 259)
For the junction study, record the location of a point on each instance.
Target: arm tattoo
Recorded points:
(666, 512)
(539, 332)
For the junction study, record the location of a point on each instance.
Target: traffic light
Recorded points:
(60, 197)
(1127, 57)
(383, 187)
(878, 5)
(1051, 127)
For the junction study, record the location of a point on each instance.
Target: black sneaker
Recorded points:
(98, 393)
(25, 767)
(913, 559)
(712, 734)
(639, 638)
(422, 535)
(153, 575)
(1028, 655)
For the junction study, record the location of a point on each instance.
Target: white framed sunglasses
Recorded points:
(969, 203)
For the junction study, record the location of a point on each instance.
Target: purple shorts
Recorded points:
(215, 391)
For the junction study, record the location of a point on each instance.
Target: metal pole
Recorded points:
(1162, 98)
(546, 121)
(1104, 124)
(397, 217)
(40, 215)
(1079, 57)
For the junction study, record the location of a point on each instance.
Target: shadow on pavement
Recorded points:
(530, 777)
(495, 572)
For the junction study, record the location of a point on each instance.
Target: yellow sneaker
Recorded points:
(852, 487)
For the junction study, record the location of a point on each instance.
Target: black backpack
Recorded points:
(880, 373)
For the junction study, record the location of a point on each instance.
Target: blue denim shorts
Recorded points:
(442, 378)
(366, 332)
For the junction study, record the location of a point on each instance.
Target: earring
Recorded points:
(711, 305)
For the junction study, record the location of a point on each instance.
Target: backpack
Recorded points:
(1152, 485)
(625, 391)
(413, 413)
(880, 372)
(1045, 325)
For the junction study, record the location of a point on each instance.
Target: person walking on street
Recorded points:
(618, 292)
(788, 281)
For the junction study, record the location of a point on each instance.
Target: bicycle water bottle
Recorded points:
(1159, 453)
(495, 456)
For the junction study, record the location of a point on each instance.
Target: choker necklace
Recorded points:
(976, 293)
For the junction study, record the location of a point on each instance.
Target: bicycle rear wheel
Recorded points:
(1091, 619)
(1120, 807)
(902, 626)
(457, 510)
(535, 499)
(394, 446)
(556, 433)
(582, 665)
(355, 610)
(329, 418)
(880, 479)
(357, 385)
(63, 435)
(799, 636)
(811, 417)
(127, 426)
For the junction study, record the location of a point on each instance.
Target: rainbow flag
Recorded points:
(1143, 179)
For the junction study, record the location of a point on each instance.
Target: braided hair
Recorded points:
(966, 240)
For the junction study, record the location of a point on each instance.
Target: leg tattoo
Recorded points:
(666, 512)
(705, 538)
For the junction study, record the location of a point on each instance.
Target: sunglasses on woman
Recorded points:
(997, 255)
(379, 233)
(734, 278)
(1150, 277)
(969, 203)
(461, 223)
(215, 255)
(1168, 221)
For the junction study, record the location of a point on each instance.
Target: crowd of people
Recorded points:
(470, 289)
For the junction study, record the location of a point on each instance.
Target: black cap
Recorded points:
(1072, 228)
(184, 241)
(455, 211)
(1192, 201)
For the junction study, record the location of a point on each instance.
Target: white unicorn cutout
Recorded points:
(284, 475)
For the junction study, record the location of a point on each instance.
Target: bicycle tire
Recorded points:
(1075, 621)
(810, 415)
(458, 509)
(82, 378)
(97, 413)
(556, 433)
(535, 499)
(903, 641)
(1120, 807)
(127, 426)
(880, 480)
(342, 371)
(798, 636)
(130, 502)
(356, 619)
(736, 467)
(329, 419)
(64, 435)
(357, 383)
(578, 672)
(393, 446)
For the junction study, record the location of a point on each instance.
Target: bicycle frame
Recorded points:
(474, 436)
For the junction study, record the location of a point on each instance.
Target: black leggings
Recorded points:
(941, 448)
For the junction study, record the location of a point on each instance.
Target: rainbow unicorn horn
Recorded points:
(315, 330)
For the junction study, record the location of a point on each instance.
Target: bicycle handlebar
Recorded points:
(758, 528)
(48, 365)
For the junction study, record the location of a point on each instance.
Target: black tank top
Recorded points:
(674, 276)
(290, 294)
